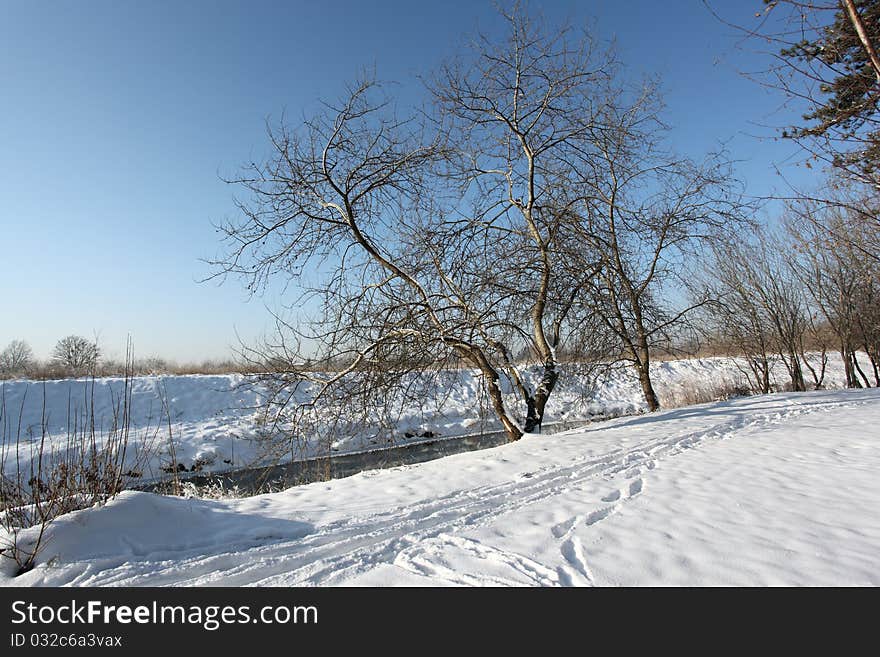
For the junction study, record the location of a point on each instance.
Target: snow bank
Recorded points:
(215, 420)
(779, 489)
(208, 415)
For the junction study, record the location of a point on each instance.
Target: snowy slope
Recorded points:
(778, 489)
(214, 420)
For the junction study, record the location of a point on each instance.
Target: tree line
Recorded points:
(72, 355)
(76, 356)
(793, 294)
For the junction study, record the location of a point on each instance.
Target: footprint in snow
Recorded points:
(614, 499)
(613, 496)
(565, 527)
(599, 514)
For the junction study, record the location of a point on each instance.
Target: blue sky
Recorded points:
(117, 119)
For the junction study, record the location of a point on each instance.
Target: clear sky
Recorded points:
(118, 117)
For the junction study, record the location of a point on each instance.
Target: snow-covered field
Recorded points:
(214, 420)
(772, 490)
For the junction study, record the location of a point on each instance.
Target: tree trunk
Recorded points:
(871, 359)
(847, 367)
(760, 367)
(859, 370)
(648, 388)
(765, 376)
(852, 380)
(642, 362)
(796, 373)
(818, 377)
(491, 377)
(537, 403)
(510, 427)
(859, 25)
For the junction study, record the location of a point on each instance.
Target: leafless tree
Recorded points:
(16, 358)
(643, 213)
(834, 245)
(429, 249)
(77, 354)
(758, 292)
(521, 116)
(335, 211)
(736, 316)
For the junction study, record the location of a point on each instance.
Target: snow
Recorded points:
(768, 490)
(209, 415)
(215, 420)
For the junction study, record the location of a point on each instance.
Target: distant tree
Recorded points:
(645, 213)
(834, 263)
(736, 314)
(762, 306)
(76, 353)
(16, 358)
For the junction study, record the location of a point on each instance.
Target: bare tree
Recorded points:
(521, 115)
(429, 251)
(758, 291)
(736, 315)
(341, 201)
(77, 354)
(834, 264)
(16, 358)
(348, 192)
(644, 213)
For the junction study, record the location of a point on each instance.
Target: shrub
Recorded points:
(40, 481)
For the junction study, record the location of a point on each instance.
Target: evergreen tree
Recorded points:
(837, 72)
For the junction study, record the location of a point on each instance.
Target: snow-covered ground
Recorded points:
(215, 420)
(779, 489)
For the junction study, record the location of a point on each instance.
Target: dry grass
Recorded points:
(690, 393)
(40, 481)
(48, 371)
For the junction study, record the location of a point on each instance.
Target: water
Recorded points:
(254, 480)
